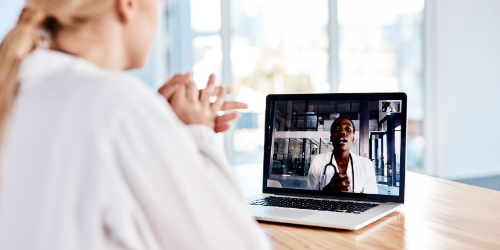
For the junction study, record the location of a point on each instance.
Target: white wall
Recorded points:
(463, 88)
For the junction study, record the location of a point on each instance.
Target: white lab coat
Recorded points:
(93, 159)
(364, 173)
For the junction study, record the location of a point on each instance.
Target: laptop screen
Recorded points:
(333, 144)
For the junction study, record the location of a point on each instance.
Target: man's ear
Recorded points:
(126, 9)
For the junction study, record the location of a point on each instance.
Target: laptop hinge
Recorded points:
(332, 197)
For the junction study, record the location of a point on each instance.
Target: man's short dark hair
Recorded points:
(345, 117)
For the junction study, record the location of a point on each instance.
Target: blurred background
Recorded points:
(443, 54)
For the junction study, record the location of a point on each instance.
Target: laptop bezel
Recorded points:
(269, 127)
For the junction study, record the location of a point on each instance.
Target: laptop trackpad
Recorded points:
(287, 213)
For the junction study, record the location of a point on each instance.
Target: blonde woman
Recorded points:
(91, 159)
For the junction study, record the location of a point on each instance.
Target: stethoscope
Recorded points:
(336, 171)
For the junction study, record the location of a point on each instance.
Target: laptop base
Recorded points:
(327, 219)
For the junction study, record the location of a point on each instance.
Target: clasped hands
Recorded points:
(194, 106)
(339, 183)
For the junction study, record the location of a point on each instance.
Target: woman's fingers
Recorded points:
(217, 105)
(346, 181)
(171, 86)
(222, 122)
(192, 92)
(178, 98)
(337, 184)
(195, 106)
(224, 119)
(168, 91)
(231, 105)
(208, 91)
(222, 128)
(340, 180)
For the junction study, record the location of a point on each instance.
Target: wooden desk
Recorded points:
(438, 214)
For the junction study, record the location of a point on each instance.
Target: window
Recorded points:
(279, 46)
(381, 50)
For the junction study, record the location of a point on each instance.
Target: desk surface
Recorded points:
(438, 214)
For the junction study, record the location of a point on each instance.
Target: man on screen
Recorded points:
(341, 170)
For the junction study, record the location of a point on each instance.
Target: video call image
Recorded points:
(337, 146)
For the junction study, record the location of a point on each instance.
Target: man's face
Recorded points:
(342, 135)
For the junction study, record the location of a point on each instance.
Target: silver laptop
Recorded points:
(332, 160)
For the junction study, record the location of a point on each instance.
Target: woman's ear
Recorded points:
(126, 9)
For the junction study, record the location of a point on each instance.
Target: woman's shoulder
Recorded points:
(323, 155)
(112, 96)
(364, 161)
(125, 92)
(121, 90)
(73, 76)
(318, 159)
(118, 86)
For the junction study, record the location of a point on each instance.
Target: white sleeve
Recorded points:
(212, 152)
(370, 186)
(182, 182)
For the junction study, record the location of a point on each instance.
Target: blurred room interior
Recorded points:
(444, 54)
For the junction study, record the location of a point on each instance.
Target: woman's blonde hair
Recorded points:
(38, 17)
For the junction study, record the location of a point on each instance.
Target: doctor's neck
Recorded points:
(341, 157)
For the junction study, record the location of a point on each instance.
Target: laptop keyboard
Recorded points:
(313, 204)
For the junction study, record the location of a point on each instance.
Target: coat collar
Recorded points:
(329, 154)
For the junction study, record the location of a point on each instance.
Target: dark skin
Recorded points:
(342, 137)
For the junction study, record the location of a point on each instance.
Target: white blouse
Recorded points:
(92, 159)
